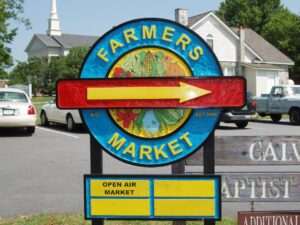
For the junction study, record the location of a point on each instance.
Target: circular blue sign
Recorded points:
(150, 48)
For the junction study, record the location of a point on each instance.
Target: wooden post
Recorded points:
(179, 168)
(96, 165)
(209, 163)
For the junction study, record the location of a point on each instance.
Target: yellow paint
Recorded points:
(185, 188)
(149, 34)
(166, 128)
(184, 40)
(184, 93)
(173, 146)
(196, 53)
(120, 207)
(187, 140)
(145, 150)
(168, 34)
(102, 55)
(130, 34)
(115, 142)
(159, 152)
(130, 150)
(184, 207)
(114, 45)
(134, 188)
(156, 152)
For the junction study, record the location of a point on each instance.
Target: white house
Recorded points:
(240, 51)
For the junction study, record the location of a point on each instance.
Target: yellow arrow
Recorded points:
(184, 93)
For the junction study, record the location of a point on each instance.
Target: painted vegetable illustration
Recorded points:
(148, 122)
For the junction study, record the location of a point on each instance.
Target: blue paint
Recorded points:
(103, 127)
(151, 197)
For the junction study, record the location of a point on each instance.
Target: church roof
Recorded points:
(65, 40)
(47, 40)
(74, 40)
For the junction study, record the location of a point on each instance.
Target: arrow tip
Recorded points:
(190, 92)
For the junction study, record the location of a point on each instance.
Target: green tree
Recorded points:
(283, 31)
(10, 10)
(19, 75)
(29, 72)
(268, 18)
(74, 61)
(248, 13)
(57, 69)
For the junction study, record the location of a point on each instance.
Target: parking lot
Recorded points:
(44, 172)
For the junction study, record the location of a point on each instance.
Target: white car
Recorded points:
(51, 114)
(16, 109)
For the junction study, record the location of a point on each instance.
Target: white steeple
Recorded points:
(53, 21)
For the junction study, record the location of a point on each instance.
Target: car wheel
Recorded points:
(262, 114)
(295, 116)
(44, 119)
(242, 124)
(30, 130)
(276, 117)
(70, 123)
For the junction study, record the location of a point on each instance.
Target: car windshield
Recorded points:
(8, 96)
(294, 90)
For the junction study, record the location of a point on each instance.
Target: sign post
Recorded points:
(150, 93)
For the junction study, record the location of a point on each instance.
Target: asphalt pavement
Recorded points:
(43, 173)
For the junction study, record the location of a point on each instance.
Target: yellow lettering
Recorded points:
(130, 34)
(114, 142)
(114, 45)
(102, 55)
(159, 152)
(187, 140)
(130, 150)
(149, 34)
(173, 145)
(196, 53)
(184, 40)
(145, 151)
(167, 34)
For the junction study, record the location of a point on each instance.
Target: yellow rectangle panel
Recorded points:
(120, 207)
(184, 207)
(120, 188)
(184, 188)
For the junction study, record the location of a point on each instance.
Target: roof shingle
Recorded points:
(263, 48)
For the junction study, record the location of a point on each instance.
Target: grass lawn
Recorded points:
(38, 102)
(77, 219)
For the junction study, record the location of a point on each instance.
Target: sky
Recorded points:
(95, 17)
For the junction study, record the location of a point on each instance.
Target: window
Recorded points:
(210, 41)
(229, 71)
(277, 92)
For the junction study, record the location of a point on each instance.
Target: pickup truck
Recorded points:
(283, 99)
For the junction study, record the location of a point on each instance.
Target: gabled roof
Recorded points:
(64, 41)
(253, 41)
(74, 40)
(47, 40)
(195, 19)
(262, 47)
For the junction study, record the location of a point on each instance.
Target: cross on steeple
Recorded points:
(53, 21)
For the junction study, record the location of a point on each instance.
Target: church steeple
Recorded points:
(53, 21)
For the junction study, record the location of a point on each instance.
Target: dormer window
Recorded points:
(210, 41)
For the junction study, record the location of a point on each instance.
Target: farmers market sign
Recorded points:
(141, 87)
